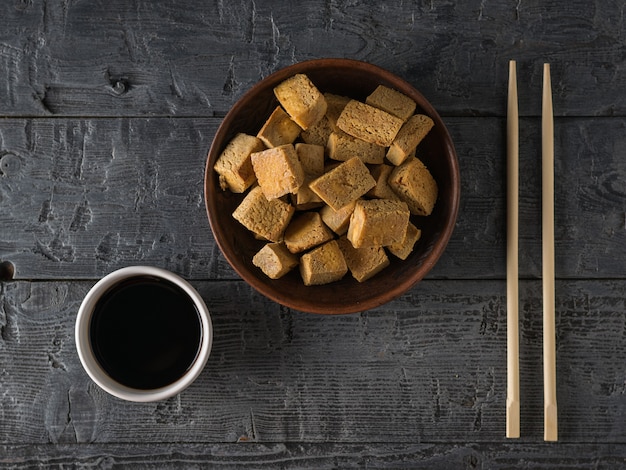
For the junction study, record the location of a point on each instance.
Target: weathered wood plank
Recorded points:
(107, 110)
(195, 58)
(65, 182)
(81, 198)
(289, 456)
(426, 368)
(590, 220)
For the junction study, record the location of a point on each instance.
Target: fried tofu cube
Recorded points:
(378, 222)
(364, 262)
(302, 100)
(337, 220)
(234, 165)
(278, 171)
(275, 260)
(279, 129)
(404, 248)
(317, 133)
(392, 101)
(335, 105)
(305, 231)
(369, 123)
(267, 219)
(342, 147)
(414, 184)
(323, 264)
(382, 190)
(343, 184)
(305, 199)
(320, 132)
(409, 137)
(311, 158)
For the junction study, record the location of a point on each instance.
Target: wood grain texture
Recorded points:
(428, 368)
(84, 197)
(195, 58)
(318, 455)
(107, 111)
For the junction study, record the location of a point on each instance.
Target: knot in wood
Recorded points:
(119, 86)
(10, 164)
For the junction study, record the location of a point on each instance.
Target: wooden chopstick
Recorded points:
(547, 219)
(512, 337)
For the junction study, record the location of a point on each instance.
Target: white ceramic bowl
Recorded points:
(91, 364)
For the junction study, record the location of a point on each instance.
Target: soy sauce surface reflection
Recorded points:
(145, 332)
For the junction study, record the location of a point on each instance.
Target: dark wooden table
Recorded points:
(107, 111)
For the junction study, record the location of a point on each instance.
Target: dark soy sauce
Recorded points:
(145, 332)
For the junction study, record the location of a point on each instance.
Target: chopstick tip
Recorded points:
(512, 68)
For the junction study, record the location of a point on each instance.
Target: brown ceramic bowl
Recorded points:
(356, 80)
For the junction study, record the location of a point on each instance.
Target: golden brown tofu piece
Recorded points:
(415, 185)
(302, 100)
(266, 219)
(369, 123)
(278, 171)
(404, 248)
(335, 105)
(234, 166)
(317, 133)
(342, 147)
(337, 220)
(343, 184)
(382, 190)
(305, 199)
(378, 222)
(275, 260)
(305, 231)
(311, 158)
(323, 264)
(392, 101)
(365, 262)
(409, 137)
(279, 129)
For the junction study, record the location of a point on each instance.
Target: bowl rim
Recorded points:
(439, 244)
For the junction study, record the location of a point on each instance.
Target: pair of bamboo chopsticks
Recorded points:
(547, 221)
